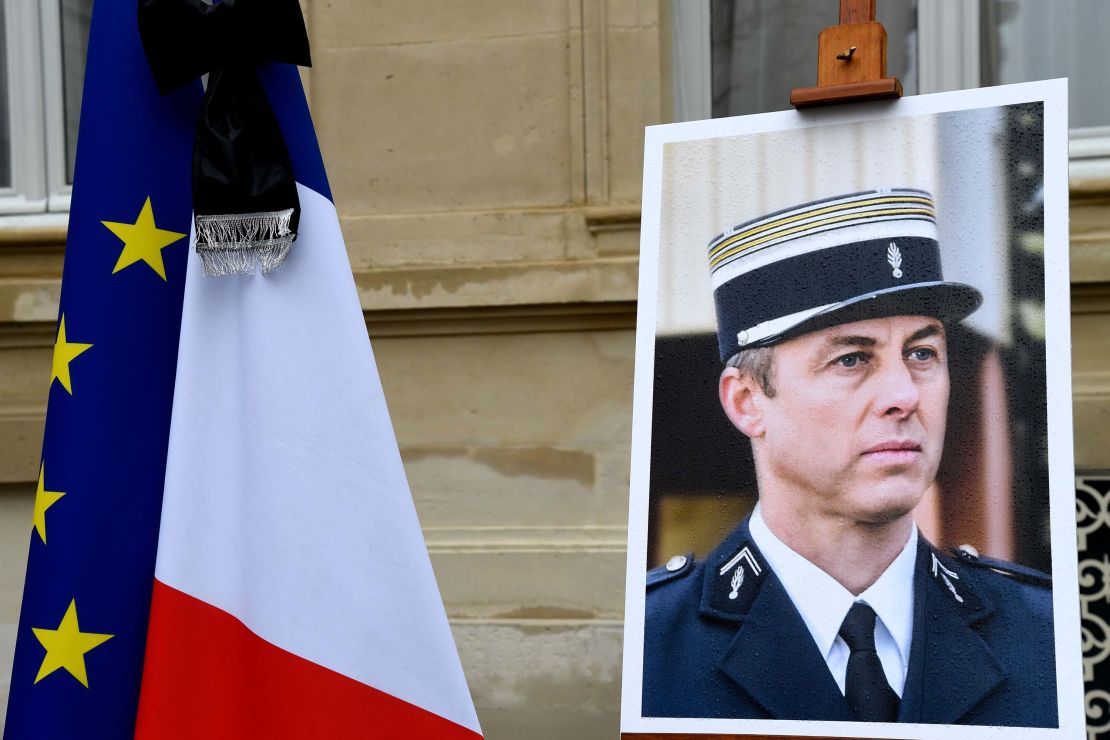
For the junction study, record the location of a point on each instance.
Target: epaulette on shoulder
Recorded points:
(675, 568)
(967, 555)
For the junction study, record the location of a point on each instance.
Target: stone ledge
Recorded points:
(465, 320)
(1091, 385)
(585, 538)
(35, 229)
(526, 318)
(529, 623)
(1090, 298)
(612, 218)
(1087, 183)
(523, 286)
(26, 334)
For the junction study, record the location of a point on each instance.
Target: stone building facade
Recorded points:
(485, 159)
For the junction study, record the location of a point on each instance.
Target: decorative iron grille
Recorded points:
(1092, 512)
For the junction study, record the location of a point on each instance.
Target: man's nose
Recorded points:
(898, 393)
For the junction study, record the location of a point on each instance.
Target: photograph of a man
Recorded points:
(827, 602)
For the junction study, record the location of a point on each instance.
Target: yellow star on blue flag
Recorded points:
(44, 499)
(66, 646)
(142, 241)
(65, 352)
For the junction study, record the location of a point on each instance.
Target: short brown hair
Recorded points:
(758, 364)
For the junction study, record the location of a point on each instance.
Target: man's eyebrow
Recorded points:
(931, 330)
(832, 344)
(851, 340)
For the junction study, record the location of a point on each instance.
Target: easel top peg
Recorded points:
(851, 61)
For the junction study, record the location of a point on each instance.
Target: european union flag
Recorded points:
(82, 628)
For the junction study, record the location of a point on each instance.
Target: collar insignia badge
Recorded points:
(946, 575)
(894, 258)
(738, 575)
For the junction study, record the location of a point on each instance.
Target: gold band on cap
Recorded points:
(864, 208)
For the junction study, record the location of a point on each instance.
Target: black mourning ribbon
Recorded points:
(865, 687)
(244, 191)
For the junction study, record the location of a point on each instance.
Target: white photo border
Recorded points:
(1066, 618)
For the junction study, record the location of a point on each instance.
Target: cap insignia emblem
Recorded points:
(894, 257)
(939, 571)
(737, 582)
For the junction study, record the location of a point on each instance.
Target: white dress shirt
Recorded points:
(823, 603)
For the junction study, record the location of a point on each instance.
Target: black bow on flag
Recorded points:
(244, 193)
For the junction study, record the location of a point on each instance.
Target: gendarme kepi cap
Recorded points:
(832, 261)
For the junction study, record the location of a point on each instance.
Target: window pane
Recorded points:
(5, 131)
(762, 49)
(900, 21)
(75, 39)
(1025, 40)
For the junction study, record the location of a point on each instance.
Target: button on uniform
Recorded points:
(675, 563)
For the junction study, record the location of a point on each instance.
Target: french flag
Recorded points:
(293, 593)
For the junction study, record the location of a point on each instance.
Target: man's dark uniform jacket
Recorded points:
(982, 650)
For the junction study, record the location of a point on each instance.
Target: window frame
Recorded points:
(36, 109)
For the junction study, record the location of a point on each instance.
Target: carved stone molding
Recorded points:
(612, 218)
(1089, 298)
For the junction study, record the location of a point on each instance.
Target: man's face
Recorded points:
(856, 426)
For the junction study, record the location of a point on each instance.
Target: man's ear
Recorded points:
(742, 399)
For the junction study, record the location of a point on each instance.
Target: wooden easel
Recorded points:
(851, 67)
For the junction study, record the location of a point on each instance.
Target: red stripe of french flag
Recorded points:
(218, 680)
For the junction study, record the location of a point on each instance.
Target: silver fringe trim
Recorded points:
(239, 243)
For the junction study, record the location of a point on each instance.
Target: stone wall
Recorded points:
(485, 160)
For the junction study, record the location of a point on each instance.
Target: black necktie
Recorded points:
(865, 688)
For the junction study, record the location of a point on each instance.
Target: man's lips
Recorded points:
(894, 446)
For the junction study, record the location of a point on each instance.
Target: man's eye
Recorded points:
(923, 354)
(851, 360)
